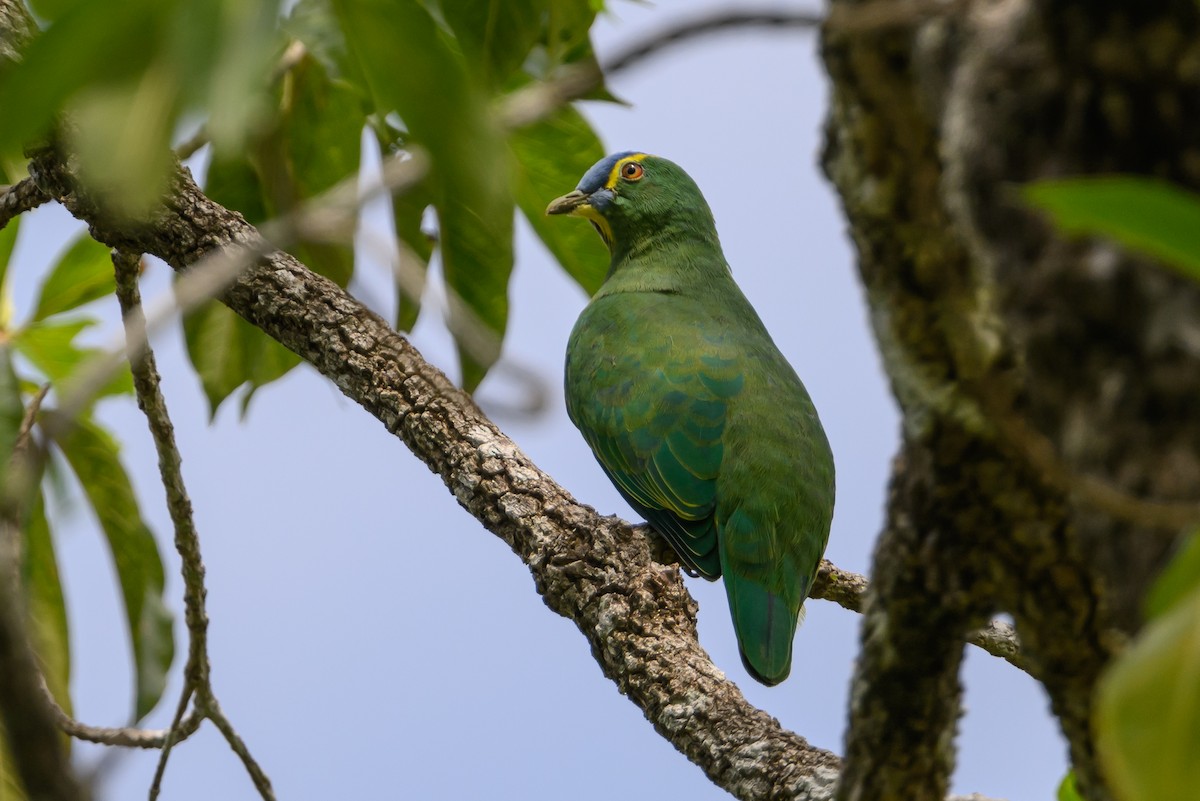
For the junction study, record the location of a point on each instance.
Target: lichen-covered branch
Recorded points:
(1046, 378)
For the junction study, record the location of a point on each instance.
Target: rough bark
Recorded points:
(984, 315)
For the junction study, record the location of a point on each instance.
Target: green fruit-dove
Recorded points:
(690, 408)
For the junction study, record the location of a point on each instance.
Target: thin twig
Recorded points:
(719, 22)
(848, 590)
(123, 736)
(188, 147)
(147, 384)
(844, 588)
(261, 782)
(172, 737)
(19, 198)
(538, 101)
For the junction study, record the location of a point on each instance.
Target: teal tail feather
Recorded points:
(765, 626)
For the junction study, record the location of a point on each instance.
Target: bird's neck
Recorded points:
(667, 259)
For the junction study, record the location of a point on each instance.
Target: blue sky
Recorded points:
(371, 639)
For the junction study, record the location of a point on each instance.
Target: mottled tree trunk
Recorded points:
(1000, 336)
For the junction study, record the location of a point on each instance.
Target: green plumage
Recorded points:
(690, 408)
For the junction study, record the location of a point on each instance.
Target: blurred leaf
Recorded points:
(121, 134)
(314, 23)
(320, 141)
(93, 456)
(84, 272)
(233, 182)
(314, 143)
(398, 47)
(238, 57)
(227, 352)
(224, 349)
(51, 347)
(76, 51)
(568, 31)
(415, 249)
(322, 128)
(47, 608)
(1067, 790)
(1144, 214)
(1148, 710)
(551, 156)
(496, 35)
(47, 628)
(50, 10)
(12, 410)
(8, 241)
(11, 788)
(1179, 579)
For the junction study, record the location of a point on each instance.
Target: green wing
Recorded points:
(654, 417)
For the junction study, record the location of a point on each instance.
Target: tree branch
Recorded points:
(18, 199)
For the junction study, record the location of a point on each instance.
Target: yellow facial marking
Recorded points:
(615, 176)
(589, 213)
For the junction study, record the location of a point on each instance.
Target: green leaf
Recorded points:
(233, 182)
(322, 128)
(228, 352)
(75, 52)
(1067, 790)
(121, 135)
(47, 612)
(314, 23)
(93, 455)
(228, 70)
(84, 272)
(1180, 577)
(496, 35)
(550, 157)
(51, 347)
(47, 608)
(8, 241)
(320, 141)
(12, 410)
(415, 248)
(224, 349)
(1148, 709)
(398, 47)
(1144, 214)
(568, 31)
(11, 788)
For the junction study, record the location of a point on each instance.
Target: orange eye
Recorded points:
(632, 171)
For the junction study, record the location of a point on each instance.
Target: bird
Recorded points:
(690, 408)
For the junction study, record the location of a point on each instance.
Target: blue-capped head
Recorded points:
(633, 194)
